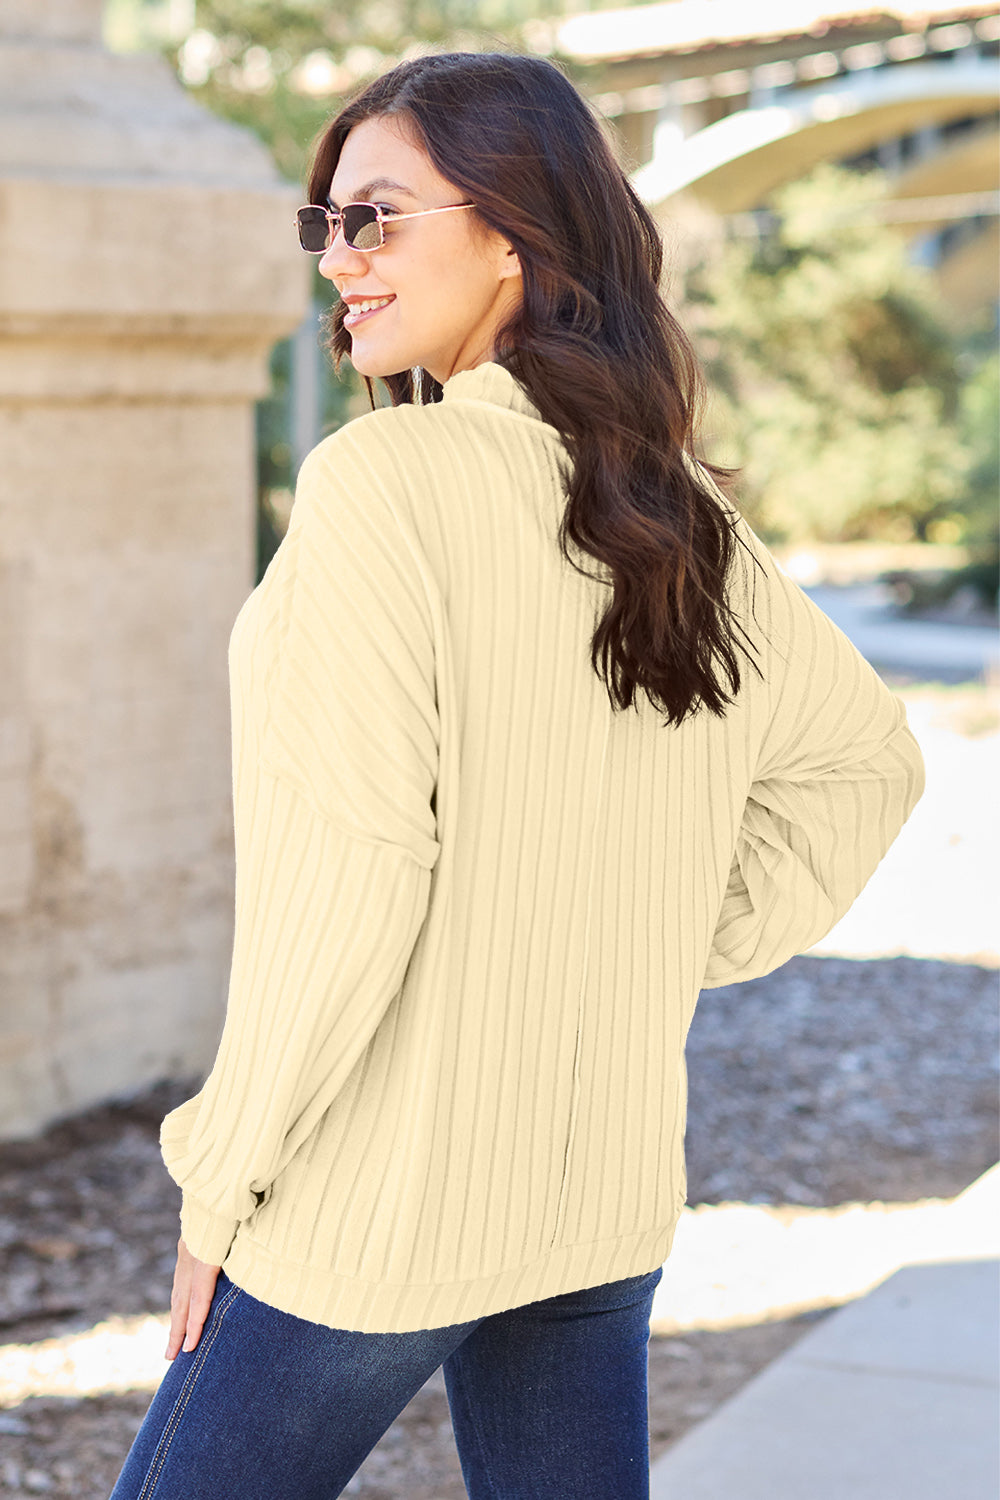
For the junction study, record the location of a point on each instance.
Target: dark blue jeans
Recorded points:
(548, 1401)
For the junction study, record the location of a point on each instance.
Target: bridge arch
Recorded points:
(736, 163)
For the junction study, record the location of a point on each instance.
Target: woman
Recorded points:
(500, 815)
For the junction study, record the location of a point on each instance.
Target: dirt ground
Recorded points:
(95, 1217)
(830, 1081)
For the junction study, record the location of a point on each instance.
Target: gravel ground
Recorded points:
(829, 1081)
(832, 1081)
(837, 1080)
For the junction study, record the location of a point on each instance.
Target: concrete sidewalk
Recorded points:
(952, 651)
(894, 1397)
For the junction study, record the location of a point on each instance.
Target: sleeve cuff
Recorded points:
(208, 1236)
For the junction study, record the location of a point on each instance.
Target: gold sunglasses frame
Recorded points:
(381, 220)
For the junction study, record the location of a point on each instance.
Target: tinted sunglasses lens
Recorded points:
(314, 230)
(362, 229)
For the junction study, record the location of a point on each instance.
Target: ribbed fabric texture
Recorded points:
(474, 904)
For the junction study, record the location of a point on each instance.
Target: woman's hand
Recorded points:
(194, 1287)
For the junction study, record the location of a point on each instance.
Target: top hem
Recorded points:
(322, 1296)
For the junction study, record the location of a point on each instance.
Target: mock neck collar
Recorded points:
(492, 383)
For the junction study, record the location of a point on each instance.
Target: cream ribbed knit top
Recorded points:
(474, 904)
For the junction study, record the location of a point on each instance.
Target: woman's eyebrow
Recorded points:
(377, 185)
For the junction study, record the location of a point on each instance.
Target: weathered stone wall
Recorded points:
(147, 264)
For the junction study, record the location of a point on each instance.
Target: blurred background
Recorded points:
(826, 177)
(826, 180)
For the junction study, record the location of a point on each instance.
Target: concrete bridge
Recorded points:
(723, 102)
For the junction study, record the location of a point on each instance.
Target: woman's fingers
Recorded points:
(180, 1297)
(190, 1300)
(202, 1291)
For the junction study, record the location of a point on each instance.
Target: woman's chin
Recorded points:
(363, 362)
(367, 362)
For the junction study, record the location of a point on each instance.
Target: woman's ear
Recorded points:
(510, 264)
(501, 255)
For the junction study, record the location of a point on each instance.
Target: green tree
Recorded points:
(978, 524)
(836, 381)
(283, 68)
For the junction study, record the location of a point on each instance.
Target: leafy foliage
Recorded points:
(980, 430)
(282, 69)
(837, 383)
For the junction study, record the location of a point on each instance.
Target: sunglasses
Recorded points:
(361, 222)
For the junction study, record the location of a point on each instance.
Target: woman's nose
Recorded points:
(341, 259)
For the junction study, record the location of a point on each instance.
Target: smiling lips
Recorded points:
(364, 309)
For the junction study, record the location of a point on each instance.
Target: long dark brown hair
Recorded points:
(596, 350)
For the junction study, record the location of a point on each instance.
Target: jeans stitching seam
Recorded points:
(174, 1420)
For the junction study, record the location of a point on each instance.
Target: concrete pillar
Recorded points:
(889, 155)
(148, 262)
(306, 384)
(669, 131)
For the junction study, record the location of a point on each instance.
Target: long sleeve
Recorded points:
(837, 776)
(333, 778)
